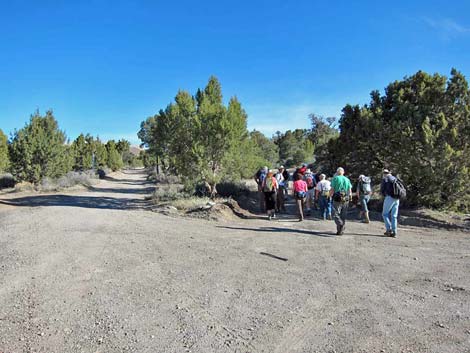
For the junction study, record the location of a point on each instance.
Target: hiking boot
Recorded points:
(330, 218)
(366, 216)
(301, 219)
(388, 233)
(393, 234)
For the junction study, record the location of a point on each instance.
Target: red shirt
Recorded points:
(300, 185)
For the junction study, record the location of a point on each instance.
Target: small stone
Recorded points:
(415, 258)
(441, 325)
(330, 324)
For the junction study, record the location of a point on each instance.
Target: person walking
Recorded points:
(309, 178)
(286, 175)
(300, 194)
(322, 195)
(281, 182)
(341, 193)
(259, 179)
(269, 190)
(391, 203)
(364, 192)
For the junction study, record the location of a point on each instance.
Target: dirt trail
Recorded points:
(96, 271)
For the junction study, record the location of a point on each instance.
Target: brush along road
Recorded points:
(96, 271)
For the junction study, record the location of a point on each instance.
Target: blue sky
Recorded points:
(104, 66)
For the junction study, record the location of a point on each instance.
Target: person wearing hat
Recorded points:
(391, 204)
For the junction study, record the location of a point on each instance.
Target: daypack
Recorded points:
(399, 190)
(262, 176)
(364, 186)
(309, 180)
(268, 185)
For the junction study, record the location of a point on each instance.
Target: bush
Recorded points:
(163, 178)
(87, 178)
(232, 189)
(190, 203)
(169, 192)
(7, 181)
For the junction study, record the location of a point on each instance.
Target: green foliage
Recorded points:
(199, 138)
(4, 156)
(416, 129)
(295, 147)
(38, 150)
(114, 161)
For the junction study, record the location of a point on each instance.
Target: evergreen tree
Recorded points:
(4, 157)
(38, 150)
(114, 161)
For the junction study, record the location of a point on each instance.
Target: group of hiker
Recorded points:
(331, 196)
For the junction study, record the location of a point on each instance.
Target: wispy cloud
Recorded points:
(446, 26)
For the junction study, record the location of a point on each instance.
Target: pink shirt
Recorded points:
(300, 185)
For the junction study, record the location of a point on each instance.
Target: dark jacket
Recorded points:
(386, 188)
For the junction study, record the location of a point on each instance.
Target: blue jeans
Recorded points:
(325, 206)
(364, 199)
(390, 213)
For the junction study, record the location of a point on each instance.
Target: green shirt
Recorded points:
(341, 183)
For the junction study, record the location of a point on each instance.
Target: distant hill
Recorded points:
(135, 150)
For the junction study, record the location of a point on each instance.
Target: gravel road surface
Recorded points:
(97, 271)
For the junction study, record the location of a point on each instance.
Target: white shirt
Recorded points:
(324, 185)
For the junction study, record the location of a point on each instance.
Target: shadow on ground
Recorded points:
(109, 203)
(282, 230)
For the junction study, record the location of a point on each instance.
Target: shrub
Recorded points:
(169, 192)
(7, 181)
(232, 189)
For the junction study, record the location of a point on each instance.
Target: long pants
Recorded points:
(300, 207)
(262, 202)
(390, 213)
(364, 200)
(310, 198)
(340, 211)
(280, 200)
(325, 206)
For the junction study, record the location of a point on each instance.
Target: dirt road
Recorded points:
(96, 271)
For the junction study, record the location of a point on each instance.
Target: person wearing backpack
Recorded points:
(364, 192)
(309, 178)
(341, 193)
(392, 189)
(322, 191)
(300, 194)
(269, 188)
(259, 179)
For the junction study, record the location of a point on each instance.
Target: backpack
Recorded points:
(310, 182)
(325, 192)
(268, 185)
(364, 186)
(262, 176)
(399, 190)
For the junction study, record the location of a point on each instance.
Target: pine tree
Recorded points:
(114, 161)
(38, 150)
(4, 156)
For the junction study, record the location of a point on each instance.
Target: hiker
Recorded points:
(322, 195)
(364, 192)
(341, 193)
(391, 203)
(269, 188)
(309, 178)
(286, 175)
(300, 194)
(281, 182)
(259, 179)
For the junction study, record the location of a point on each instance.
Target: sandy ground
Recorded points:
(97, 271)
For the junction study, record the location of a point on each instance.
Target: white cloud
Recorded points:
(446, 26)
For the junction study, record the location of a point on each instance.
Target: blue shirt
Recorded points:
(386, 188)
